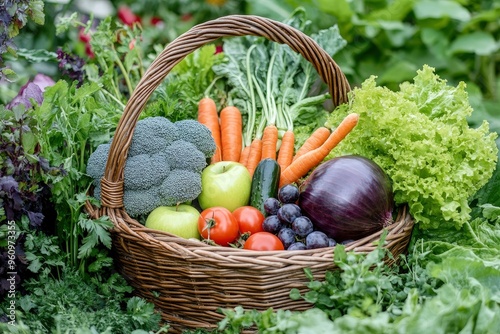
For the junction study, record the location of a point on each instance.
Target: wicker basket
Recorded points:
(189, 280)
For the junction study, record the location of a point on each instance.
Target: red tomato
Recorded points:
(249, 219)
(263, 241)
(219, 225)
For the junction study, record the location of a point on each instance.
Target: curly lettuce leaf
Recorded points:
(420, 137)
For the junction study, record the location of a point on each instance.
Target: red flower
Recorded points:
(155, 20)
(88, 51)
(131, 45)
(127, 16)
(85, 38)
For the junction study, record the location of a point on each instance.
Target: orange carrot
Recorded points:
(254, 155)
(303, 164)
(269, 141)
(207, 115)
(285, 154)
(315, 140)
(244, 155)
(231, 128)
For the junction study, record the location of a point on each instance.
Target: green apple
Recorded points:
(225, 183)
(180, 220)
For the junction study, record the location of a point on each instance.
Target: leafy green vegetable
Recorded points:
(420, 137)
(98, 305)
(272, 84)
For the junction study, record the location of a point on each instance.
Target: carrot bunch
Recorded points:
(227, 130)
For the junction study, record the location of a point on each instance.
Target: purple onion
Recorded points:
(347, 197)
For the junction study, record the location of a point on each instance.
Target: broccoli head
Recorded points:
(198, 134)
(152, 135)
(96, 163)
(184, 155)
(163, 166)
(180, 186)
(143, 171)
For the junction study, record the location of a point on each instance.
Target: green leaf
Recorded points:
(295, 294)
(37, 55)
(478, 42)
(437, 9)
(491, 212)
(341, 9)
(29, 141)
(66, 22)
(398, 72)
(36, 11)
(9, 75)
(97, 231)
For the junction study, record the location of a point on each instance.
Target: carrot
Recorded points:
(231, 130)
(269, 140)
(315, 140)
(207, 115)
(285, 154)
(244, 155)
(303, 164)
(255, 154)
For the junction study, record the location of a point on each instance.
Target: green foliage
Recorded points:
(75, 303)
(421, 138)
(71, 122)
(393, 38)
(189, 81)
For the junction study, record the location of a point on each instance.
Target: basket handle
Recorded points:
(177, 50)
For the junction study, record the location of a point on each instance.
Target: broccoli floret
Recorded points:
(96, 164)
(97, 191)
(180, 186)
(152, 135)
(198, 134)
(144, 170)
(141, 201)
(184, 155)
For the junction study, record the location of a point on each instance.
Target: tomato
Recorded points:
(219, 225)
(249, 219)
(263, 241)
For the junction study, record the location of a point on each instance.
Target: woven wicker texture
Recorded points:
(189, 280)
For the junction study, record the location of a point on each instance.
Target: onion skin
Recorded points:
(347, 197)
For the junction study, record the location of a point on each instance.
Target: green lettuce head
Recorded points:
(421, 138)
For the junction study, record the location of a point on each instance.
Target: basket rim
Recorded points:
(401, 227)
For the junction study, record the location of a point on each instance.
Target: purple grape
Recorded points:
(288, 213)
(316, 239)
(287, 236)
(272, 224)
(297, 246)
(348, 241)
(288, 194)
(271, 205)
(302, 226)
(332, 242)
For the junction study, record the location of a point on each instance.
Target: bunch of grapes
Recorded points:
(285, 220)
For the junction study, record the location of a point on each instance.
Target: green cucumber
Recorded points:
(265, 183)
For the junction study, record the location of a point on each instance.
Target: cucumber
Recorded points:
(265, 183)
